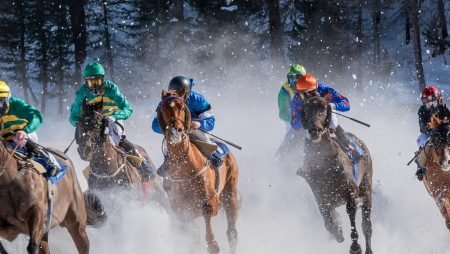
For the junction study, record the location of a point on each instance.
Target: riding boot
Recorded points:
(146, 169)
(34, 150)
(347, 145)
(162, 170)
(216, 161)
(420, 172)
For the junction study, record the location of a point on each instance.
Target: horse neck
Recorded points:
(185, 154)
(325, 143)
(8, 165)
(105, 156)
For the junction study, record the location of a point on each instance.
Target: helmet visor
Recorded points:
(94, 82)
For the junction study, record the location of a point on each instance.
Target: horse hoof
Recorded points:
(355, 249)
(369, 251)
(213, 248)
(43, 248)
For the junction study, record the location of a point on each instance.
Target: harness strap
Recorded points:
(109, 176)
(50, 194)
(192, 177)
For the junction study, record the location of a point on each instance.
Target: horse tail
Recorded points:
(96, 215)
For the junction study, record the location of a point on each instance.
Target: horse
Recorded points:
(191, 182)
(330, 174)
(31, 205)
(109, 166)
(435, 157)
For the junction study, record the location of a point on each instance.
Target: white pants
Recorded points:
(115, 132)
(199, 135)
(422, 139)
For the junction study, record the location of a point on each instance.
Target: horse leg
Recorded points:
(230, 202)
(213, 247)
(77, 229)
(2, 249)
(329, 217)
(366, 221)
(355, 248)
(36, 229)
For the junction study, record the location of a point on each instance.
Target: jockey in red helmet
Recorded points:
(433, 103)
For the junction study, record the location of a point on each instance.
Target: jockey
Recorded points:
(288, 91)
(19, 122)
(308, 86)
(115, 108)
(201, 114)
(433, 104)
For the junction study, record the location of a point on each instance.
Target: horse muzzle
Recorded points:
(175, 136)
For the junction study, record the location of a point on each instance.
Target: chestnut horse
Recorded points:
(191, 183)
(435, 157)
(109, 166)
(26, 209)
(330, 175)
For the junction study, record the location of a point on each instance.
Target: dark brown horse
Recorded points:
(109, 166)
(24, 202)
(191, 188)
(436, 159)
(330, 175)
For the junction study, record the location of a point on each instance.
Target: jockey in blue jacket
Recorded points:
(201, 115)
(308, 86)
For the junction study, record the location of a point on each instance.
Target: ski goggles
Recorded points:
(92, 82)
(292, 79)
(4, 101)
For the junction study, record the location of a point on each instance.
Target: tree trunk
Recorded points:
(376, 18)
(78, 26)
(275, 29)
(44, 56)
(407, 25)
(61, 58)
(178, 10)
(109, 55)
(22, 67)
(442, 19)
(415, 31)
(359, 46)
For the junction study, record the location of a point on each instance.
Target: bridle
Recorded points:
(173, 119)
(307, 122)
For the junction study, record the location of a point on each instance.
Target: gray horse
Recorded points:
(331, 175)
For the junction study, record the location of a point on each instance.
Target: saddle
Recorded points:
(38, 164)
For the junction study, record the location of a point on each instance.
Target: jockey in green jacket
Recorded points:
(19, 122)
(287, 92)
(115, 109)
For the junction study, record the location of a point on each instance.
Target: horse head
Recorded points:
(316, 116)
(174, 117)
(440, 140)
(90, 133)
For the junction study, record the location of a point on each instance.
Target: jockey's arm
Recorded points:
(155, 125)
(424, 119)
(341, 102)
(30, 113)
(125, 108)
(284, 104)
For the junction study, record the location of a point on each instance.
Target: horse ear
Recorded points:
(163, 94)
(328, 118)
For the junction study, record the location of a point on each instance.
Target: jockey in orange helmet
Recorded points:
(308, 86)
